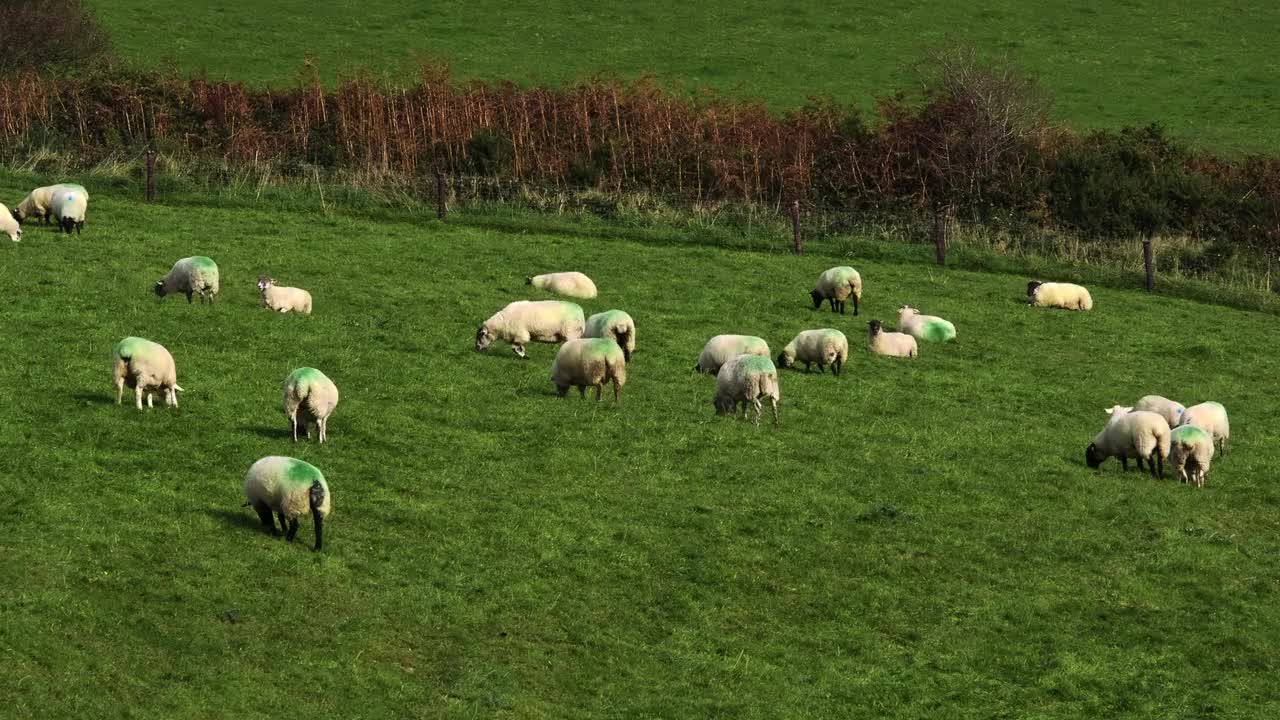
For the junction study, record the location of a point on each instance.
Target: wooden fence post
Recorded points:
(1148, 262)
(941, 227)
(795, 228)
(440, 195)
(151, 175)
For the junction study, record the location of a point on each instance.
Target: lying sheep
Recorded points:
(721, 348)
(1190, 448)
(836, 285)
(743, 380)
(524, 321)
(9, 224)
(309, 397)
(289, 487)
(924, 327)
(191, 275)
(589, 362)
(1059, 295)
(144, 366)
(39, 202)
(283, 299)
(569, 284)
(613, 324)
(1139, 434)
(1171, 411)
(823, 347)
(1212, 418)
(893, 344)
(68, 206)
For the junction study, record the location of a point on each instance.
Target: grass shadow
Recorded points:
(89, 398)
(271, 433)
(240, 518)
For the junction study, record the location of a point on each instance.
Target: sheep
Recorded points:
(39, 202)
(1139, 434)
(9, 224)
(1212, 418)
(924, 327)
(824, 347)
(289, 487)
(745, 379)
(721, 348)
(524, 321)
(837, 284)
(144, 366)
(1059, 295)
(589, 362)
(67, 207)
(615, 324)
(309, 396)
(1190, 447)
(283, 299)
(196, 274)
(569, 284)
(893, 344)
(1171, 411)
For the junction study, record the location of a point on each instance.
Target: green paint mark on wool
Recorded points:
(298, 473)
(601, 348)
(132, 347)
(757, 363)
(306, 376)
(204, 265)
(607, 319)
(939, 331)
(1189, 434)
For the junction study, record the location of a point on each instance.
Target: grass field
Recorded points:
(918, 539)
(1207, 72)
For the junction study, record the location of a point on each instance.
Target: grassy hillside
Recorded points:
(1206, 72)
(917, 535)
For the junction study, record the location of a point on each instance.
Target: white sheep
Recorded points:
(39, 202)
(289, 487)
(523, 321)
(191, 275)
(9, 224)
(837, 284)
(893, 344)
(68, 206)
(1190, 447)
(144, 366)
(283, 299)
(569, 284)
(1212, 418)
(1140, 434)
(1059, 295)
(721, 348)
(924, 327)
(589, 362)
(822, 347)
(614, 324)
(1168, 409)
(309, 397)
(743, 380)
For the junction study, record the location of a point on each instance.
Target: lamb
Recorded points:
(589, 362)
(289, 487)
(1171, 411)
(9, 224)
(893, 344)
(1191, 447)
(613, 324)
(196, 274)
(745, 379)
(283, 299)
(144, 366)
(309, 396)
(1059, 295)
(1212, 418)
(524, 321)
(1139, 434)
(39, 202)
(67, 207)
(836, 285)
(924, 327)
(824, 347)
(569, 284)
(721, 348)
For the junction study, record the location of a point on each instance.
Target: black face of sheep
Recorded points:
(17, 215)
(1031, 287)
(483, 339)
(1093, 456)
(817, 298)
(782, 362)
(874, 327)
(159, 288)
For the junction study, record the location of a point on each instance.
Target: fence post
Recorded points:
(1148, 262)
(941, 226)
(151, 175)
(440, 195)
(795, 228)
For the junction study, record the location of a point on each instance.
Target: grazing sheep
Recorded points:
(1140, 434)
(614, 324)
(569, 284)
(743, 380)
(590, 362)
(1212, 418)
(837, 284)
(1171, 411)
(283, 299)
(1190, 448)
(893, 344)
(68, 206)
(196, 274)
(824, 347)
(309, 396)
(721, 348)
(1059, 295)
(289, 487)
(144, 366)
(924, 327)
(39, 202)
(523, 321)
(9, 224)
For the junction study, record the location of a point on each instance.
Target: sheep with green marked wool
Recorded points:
(743, 381)
(290, 488)
(924, 327)
(38, 203)
(145, 367)
(1212, 418)
(1168, 409)
(1190, 453)
(1059, 295)
(309, 398)
(68, 206)
(9, 224)
(837, 284)
(589, 362)
(195, 275)
(613, 324)
(1129, 433)
(569, 284)
(816, 347)
(721, 348)
(524, 321)
(893, 344)
(283, 299)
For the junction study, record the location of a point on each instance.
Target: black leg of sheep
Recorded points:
(293, 530)
(283, 523)
(264, 514)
